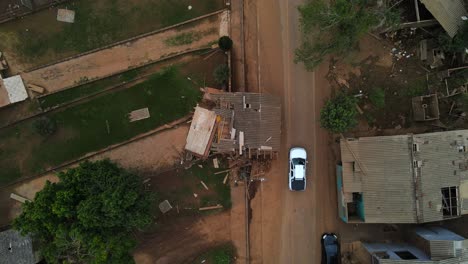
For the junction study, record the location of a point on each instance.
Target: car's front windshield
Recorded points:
(298, 161)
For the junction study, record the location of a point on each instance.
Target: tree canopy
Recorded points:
(88, 216)
(335, 28)
(339, 113)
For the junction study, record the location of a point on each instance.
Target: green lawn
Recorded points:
(72, 94)
(38, 38)
(223, 254)
(83, 128)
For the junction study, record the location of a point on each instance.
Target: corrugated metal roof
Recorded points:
(257, 115)
(448, 13)
(403, 185)
(387, 185)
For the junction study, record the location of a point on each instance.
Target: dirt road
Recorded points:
(291, 223)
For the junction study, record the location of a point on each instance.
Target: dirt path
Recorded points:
(290, 223)
(122, 57)
(152, 153)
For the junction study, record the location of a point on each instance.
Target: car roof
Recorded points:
(299, 172)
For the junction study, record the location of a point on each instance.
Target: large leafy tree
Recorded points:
(89, 215)
(333, 27)
(339, 113)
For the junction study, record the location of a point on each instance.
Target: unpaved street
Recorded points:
(287, 226)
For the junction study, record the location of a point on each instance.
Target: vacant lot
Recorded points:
(125, 56)
(39, 38)
(95, 124)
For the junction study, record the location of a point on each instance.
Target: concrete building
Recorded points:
(433, 245)
(403, 179)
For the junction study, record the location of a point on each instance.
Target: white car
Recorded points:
(297, 169)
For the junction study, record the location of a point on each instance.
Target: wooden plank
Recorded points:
(215, 163)
(19, 198)
(204, 185)
(210, 207)
(241, 141)
(225, 178)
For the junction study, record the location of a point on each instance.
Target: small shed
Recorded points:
(425, 108)
(201, 132)
(12, 90)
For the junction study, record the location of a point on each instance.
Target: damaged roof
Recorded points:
(402, 177)
(448, 13)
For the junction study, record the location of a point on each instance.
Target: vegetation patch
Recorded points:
(89, 216)
(100, 122)
(339, 113)
(38, 38)
(224, 254)
(183, 38)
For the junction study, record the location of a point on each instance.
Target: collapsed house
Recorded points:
(432, 245)
(241, 124)
(425, 108)
(403, 179)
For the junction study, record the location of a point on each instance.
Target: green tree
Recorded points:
(89, 215)
(225, 43)
(334, 28)
(339, 113)
(221, 73)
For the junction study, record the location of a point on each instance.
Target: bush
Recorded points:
(336, 27)
(339, 113)
(221, 74)
(225, 43)
(377, 97)
(45, 126)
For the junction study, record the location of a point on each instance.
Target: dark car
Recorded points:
(330, 249)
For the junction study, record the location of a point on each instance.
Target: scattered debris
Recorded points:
(139, 114)
(36, 88)
(204, 185)
(195, 195)
(165, 206)
(215, 163)
(219, 172)
(200, 166)
(210, 207)
(147, 180)
(65, 15)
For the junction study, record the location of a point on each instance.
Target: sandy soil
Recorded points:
(183, 240)
(122, 57)
(151, 153)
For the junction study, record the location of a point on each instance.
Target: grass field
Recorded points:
(39, 38)
(199, 69)
(95, 124)
(223, 254)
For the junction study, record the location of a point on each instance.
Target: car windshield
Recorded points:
(298, 161)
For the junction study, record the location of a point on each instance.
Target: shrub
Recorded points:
(377, 97)
(45, 126)
(339, 113)
(225, 43)
(221, 73)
